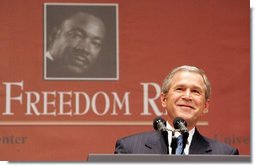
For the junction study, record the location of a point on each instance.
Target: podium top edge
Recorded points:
(166, 158)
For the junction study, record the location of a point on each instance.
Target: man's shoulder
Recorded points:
(147, 136)
(140, 143)
(140, 135)
(211, 146)
(215, 144)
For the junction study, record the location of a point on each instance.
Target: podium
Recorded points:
(167, 158)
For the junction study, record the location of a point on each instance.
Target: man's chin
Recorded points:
(184, 116)
(77, 70)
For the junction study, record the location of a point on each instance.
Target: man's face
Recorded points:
(78, 42)
(186, 98)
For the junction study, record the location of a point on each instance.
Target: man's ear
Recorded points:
(206, 109)
(163, 100)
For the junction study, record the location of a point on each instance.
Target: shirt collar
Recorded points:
(48, 55)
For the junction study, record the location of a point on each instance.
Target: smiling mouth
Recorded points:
(186, 106)
(80, 60)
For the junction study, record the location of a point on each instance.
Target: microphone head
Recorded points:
(178, 123)
(157, 121)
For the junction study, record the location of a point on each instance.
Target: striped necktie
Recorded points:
(179, 148)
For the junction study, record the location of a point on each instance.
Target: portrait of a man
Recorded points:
(81, 42)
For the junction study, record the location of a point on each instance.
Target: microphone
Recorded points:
(159, 124)
(180, 123)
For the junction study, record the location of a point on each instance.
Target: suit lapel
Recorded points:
(199, 145)
(156, 144)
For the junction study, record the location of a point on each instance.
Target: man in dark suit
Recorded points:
(185, 93)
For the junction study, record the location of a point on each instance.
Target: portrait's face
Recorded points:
(78, 42)
(186, 97)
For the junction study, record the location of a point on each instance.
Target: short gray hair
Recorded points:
(168, 79)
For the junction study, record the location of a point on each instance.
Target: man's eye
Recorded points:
(196, 91)
(75, 35)
(179, 89)
(97, 43)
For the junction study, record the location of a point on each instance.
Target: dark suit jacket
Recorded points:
(153, 143)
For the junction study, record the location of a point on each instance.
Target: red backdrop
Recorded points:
(153, 37)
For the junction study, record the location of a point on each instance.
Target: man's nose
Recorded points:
(84, 45)
(187, 94)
